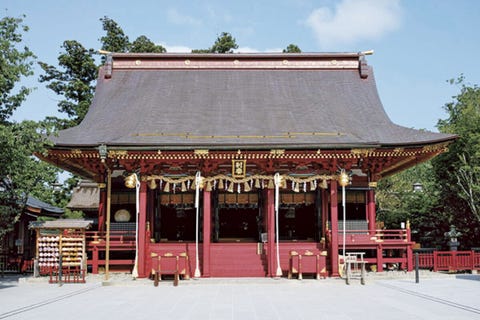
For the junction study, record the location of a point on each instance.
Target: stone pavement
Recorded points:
(385, 296)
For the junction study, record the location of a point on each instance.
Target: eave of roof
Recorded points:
(231, 101)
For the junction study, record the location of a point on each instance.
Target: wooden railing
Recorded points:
(120, 241)
(369, 237)
(449, 260)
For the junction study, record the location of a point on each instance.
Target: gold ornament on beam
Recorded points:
(184, 187)
(257, 183)
(209, 186)
(247, 187)
(167, 187)
(343, 179)
(230, 187)
(131, 181)
(313, 185)
(324, 184)
(220, 184)
(271, 185)
(152, 184)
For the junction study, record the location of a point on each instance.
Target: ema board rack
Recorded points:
(68, 249)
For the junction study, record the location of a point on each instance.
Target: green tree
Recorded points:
(22, 174)
(292, 48)
(458, 170)
(15, 62)
(74, 81)
(225, 43)
(398, 202)
(115, 39)
(143, 44)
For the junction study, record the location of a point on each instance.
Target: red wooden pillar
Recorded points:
(380, 258)
(324, 212)
(334, 227)
(95, 260)
(270, 218)
(372, 215)
(142, 230)
(207, 231)
(101, 209)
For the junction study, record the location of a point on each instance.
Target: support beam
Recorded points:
(270, 218)
(102, 209)
(334, 227)
(207, 231)
(372, 215)
(142, 227)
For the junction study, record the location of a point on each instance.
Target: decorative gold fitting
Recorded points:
(131, 181)
(343, 178)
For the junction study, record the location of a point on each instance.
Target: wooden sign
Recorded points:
(239, 168)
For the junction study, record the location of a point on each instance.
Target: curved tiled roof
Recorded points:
(239, 101)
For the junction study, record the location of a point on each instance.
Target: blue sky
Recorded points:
(418, 45)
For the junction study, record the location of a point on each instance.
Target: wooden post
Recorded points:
(334, 227)
(142, 230)
(108, 213)
(95, 260)
(207, 231)
(379, 258)
(101, 209)
(270, 215)
(372, 215)
(324, 212)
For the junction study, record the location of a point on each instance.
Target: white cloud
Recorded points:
(353, 21)
(177, 18)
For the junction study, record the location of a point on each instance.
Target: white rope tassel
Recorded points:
(137, 207)
(198, 180)
(277, 179)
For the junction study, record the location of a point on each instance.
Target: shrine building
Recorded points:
(240, 163)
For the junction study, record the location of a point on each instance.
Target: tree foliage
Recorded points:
(74, 81)
(225, 43)
(398, 202)
(16, 61)
(115, 40)
(74, 78)
(22, 174)
(143, 44)
(459, 168)
(292, 48)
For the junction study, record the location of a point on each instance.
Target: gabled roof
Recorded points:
(37, 208)
(85, 196)
(61, 224)
(231, 101)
